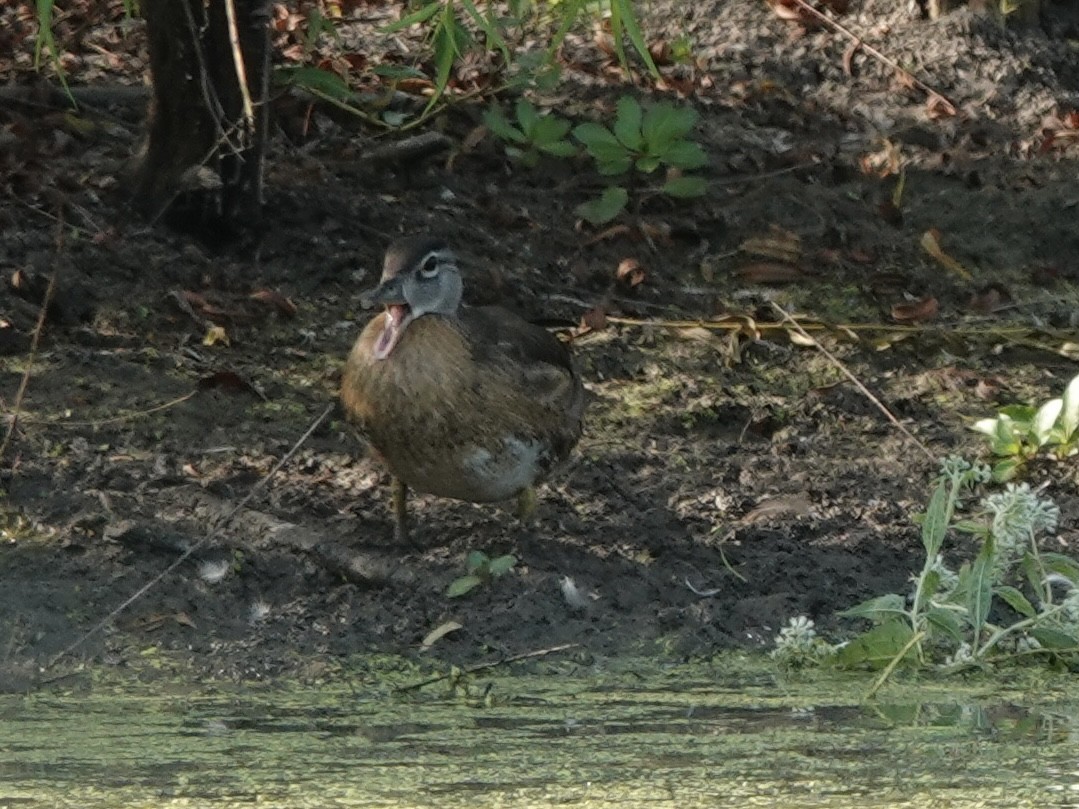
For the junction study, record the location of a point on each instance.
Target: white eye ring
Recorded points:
(430, 266)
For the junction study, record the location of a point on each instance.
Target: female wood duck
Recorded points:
(466, 402)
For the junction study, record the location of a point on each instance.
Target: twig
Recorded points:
(857, 382)
(861, 43)
(55, 422)
(484, 666)
(25, 382)
(238, 64)
(884, 675)
(194, 548)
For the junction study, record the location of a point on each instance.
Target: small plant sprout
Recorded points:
(641, 141)
(481, 569)
(1019, 433)
(533, 135)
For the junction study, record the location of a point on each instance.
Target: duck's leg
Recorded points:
(526, 505)
(400, 511)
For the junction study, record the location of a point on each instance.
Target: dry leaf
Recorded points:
(595, 319)
(216, 335)
(916, 311)
(795, 505)
(630, 273)
(770, 272)
(989, 300)
(779, 244)
(439, 632)
(271, 297)
(931, 245)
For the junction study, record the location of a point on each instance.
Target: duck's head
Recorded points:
(419, 277)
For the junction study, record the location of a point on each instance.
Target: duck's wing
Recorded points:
(539, 360)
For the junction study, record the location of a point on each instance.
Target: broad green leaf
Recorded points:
(465, 584)
(606, 207)
(527, 117)
(476, 560)
(685, 187)
(685, 154)
(1016, 600)
(877, 609)
(1005, 438)
(985, 426)
(1055, 639)
(1061, 565)
(324, 82)
(664, 124)
(610, 155)
(1045, 418)
(562, 148)
(1006, 469)
(497, 123)
(647, 164)
(416, 17)
(876, 648)
(979, 590)
(628, 21)
(627, 123)
(1021, 414)
(502, 564)
(549, 129)
(1069, 415)
(947, 621)
(935, 524)
(930, 585)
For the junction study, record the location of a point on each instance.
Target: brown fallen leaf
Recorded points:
(989, 300)
(794, 505)
(780, 244)
(916, 311)
(271, 297)
(629, 273)
(595, 319)
(770, 272)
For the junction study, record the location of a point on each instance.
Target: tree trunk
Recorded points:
(203, 163)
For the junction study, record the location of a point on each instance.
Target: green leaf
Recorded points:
(877, 609)
(930, 585)
(549, 129)
(502, 564)
(476, 560)
(497, 123)
(490, 30)
(1069, 415)
(1061, 565)
(685, 187)
(627, 20)
(664, 124)
(947, 622)
(985, 426)
(935, 524)
(606, 207)
(1005, 438)
(465, 584)
(610, 155)
(876, 648)
(1045, 418)
(627, 123)
(1016, 600)
(1006, 469)
(1021, 414)
(685, 154)
(416, 17)
(324, 82)
(527, 117)
(1055, 639)
(445, 48)
(562, 148)
(646, 164)
(569, 10)
(979, 589)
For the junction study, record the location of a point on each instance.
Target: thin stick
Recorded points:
(489, 665)
(921, 85)
(187, 554)
(857, 382)
(238, 64)
(55, 422)
(884, 675)
(25, 382)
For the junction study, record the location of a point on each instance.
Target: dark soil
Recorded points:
(724, 484)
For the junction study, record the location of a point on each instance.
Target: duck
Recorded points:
(465, 402)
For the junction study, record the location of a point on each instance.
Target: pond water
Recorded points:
(679, 737)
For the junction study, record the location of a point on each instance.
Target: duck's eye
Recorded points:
(429, 268)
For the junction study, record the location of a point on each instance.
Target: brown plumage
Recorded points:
(466, 402)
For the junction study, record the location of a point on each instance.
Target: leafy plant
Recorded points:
(641, 141)
(481, 569)
(533, 135)
(1020, 432)
(945, 618)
